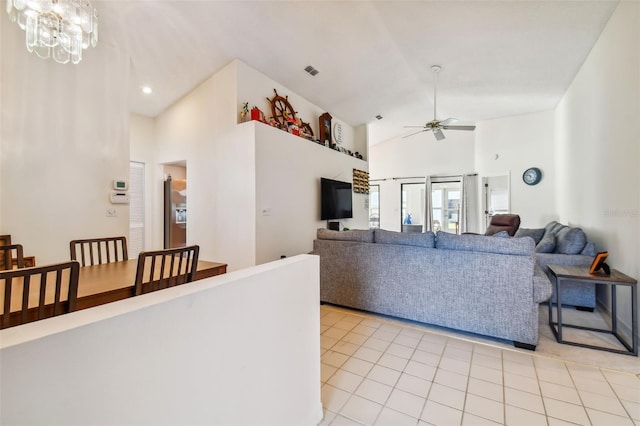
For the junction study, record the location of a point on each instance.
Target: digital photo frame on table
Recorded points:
(599, 263)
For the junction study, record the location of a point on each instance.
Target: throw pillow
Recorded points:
(536, 233)
(358, 235)
(547, 244)
(589, 250)
(570, 240)
(426, 239)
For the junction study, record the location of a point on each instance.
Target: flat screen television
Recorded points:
(335, 199)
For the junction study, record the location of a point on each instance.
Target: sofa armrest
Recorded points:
(542, 288)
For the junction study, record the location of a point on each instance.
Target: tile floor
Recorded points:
(381, 371)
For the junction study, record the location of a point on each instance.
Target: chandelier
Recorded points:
(58, 29)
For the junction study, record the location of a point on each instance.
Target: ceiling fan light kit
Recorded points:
(435, 125)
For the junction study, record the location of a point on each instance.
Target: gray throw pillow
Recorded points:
(535, 233)
(589, 250)
(547, 244)
(501, 234)
(570, 240)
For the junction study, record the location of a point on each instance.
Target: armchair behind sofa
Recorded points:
(503, 222)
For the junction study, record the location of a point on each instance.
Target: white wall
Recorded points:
(416, 156)
(598, 148)
(288, 172)
(142, 131)
(64, 138)
(209, 352)
(521, 142)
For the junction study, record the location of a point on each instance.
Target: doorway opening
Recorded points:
(446, 206)
(175, 205)
(413, 204)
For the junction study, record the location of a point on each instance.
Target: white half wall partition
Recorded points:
(209, 352)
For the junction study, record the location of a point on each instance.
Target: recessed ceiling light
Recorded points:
(147, 90)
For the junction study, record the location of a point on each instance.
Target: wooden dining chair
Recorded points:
(11, 255)
(165, 268)
(31, 294)
(95, 251)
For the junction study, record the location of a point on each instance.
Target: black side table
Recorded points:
(580, 274)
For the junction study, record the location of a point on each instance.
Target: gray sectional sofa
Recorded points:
(558, 244)
(474, 283)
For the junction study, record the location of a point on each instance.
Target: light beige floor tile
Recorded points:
(518, 358)
(385, 375)
(345, 347)
(469, 419)
(462, 353)
(623, 379)
(392, 361)
(579, 371)
(486, 389)
(326, 371)
(399, 350)
(336, 333)
(391, 327)
(355, 338)
(445, 395)
(518, 417)
(377, 344)
(519, 369)
(370, 322)
(484, 360)
(327, 418)
(324, 328)
(363, 329)
(389, 417)
(595, 386)
(333, 399)
(485, 408)
(361, 410)
(555, 375)
(626, 393)
(335, 359)
(602, 403)
(557, 422)
(414, 385)
(633, 409)
(411, 342)
(344, 421)
(565, 411)
(441, 415)
(486, 373)
(559, 392)
(384, 334)
(345, 380)
(460, 344)
(418, 369)
(358, 366)
(406, 402)
(367, 354)
(412, 332)
(455, 365)
(524, 400)
(451, 379)
(426, 357)
(599, 418)
(345, 324)
(431, 347)
(435, 338)
(374, 391)
(327, 342)
(487, 350)
(523, 383)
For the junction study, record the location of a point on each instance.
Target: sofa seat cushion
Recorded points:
(536, 233)
(426, 239)
(359, 235)
(486, 244)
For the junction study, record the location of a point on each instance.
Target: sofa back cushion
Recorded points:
(486, 244)
(536, 233)
(568, 240)
(426, 239)
(359, 235)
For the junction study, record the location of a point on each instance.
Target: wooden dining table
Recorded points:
(106, 283)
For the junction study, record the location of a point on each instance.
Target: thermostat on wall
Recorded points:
(120, 185)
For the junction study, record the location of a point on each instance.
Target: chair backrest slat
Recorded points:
(166, 268)
(10, 253)
(17, 289)
(95, 251)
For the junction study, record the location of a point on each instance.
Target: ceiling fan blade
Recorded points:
(414, 127)
(415, 133)
(438, 133)
(448, 121)
(456, 127)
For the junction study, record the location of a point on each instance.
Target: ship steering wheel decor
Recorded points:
(281, 109)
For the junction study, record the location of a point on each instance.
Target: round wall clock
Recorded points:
(337, 133)
(532, 176)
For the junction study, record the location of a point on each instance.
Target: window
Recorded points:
(446, 206)
(412, 203)
(136, 209)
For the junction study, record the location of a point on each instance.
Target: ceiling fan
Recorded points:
(435, 125)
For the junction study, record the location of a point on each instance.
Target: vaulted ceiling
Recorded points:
(498, 58)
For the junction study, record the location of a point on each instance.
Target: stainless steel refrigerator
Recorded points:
(175, 212)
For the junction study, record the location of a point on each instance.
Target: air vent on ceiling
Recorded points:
(379, 117)
(311, 70)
